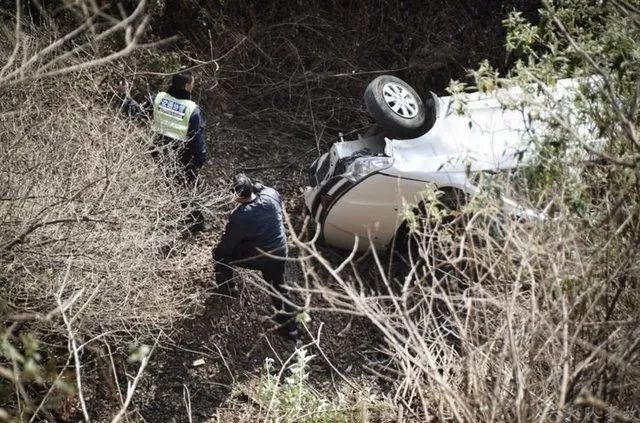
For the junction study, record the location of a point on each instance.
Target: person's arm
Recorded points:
(197, 143)
(233, 235)
(131, 107)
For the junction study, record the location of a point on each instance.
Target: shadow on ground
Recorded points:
(234, 337)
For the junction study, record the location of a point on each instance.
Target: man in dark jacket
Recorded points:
(254, 238)
(179, 124)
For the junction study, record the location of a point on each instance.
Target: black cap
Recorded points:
(242, 185)
(181, 79)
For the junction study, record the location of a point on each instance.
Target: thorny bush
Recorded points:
(85, 208)
(92, 244)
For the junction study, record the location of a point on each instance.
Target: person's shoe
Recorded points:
(288, 328)
(197, 227)
(289, 332)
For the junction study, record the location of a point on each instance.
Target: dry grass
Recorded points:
(537, 323)
(84, 201)
(530, 323)
(84, 208)
(92, 241)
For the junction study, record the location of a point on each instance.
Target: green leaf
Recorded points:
(303, 317)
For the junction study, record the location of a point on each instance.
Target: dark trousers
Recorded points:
(189, 179)
(176, 167)
(272, 270)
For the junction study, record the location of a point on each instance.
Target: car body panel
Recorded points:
(376, 204)
(486, 137)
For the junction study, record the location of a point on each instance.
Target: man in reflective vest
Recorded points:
(179, 124)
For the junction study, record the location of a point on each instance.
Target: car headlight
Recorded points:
(364, 166)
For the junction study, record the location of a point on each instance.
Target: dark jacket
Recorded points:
(253, 227)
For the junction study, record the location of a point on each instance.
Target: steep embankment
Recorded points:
(289, 81)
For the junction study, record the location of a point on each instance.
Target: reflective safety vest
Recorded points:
(171, 116)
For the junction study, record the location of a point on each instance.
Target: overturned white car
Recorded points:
(359, 188)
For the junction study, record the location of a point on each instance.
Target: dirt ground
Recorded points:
(234, 336)
(233, 339)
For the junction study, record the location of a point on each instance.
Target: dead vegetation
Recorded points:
(91, 241)
(495, 322)
(530, 325)
(298, 72)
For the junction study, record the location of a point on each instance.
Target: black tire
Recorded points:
(452, 199)
(410, 119)
(405, 253)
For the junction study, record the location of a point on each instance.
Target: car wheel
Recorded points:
(396, 107)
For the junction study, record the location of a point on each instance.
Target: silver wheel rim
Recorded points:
(400, 100)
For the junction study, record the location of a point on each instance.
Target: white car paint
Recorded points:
(485, 137)
(371, 212)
